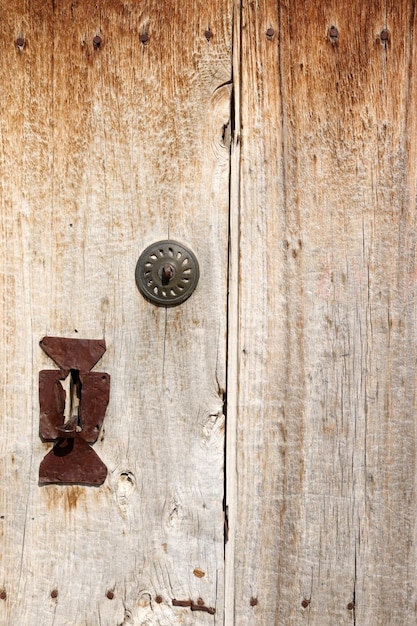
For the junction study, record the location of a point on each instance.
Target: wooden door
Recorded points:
(324, 280)
(106, 147)
(276, 139)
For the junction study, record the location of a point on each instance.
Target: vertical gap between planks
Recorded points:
(233, 325)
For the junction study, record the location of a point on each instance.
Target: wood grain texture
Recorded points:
(104, 151)
(326, 403)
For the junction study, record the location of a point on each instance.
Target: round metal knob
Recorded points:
(167, 273)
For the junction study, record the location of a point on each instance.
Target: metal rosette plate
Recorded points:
(167, 273)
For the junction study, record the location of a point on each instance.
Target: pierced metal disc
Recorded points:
(167, 273)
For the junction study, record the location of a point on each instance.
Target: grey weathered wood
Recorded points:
(105, 151)
(102, 153)
(326, 404)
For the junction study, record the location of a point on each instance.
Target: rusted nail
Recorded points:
(20, 42)
(208, 34)
(253, 601)
(333, 32)
(3, 595)
(270, 32)
(206, 609)
(144, 38)
(384, 35)
(158, 599)
(200, 602)
(305, 603)
(350, 606)
(181, 603)
(54, 593)
(110, 594)
(97, 42)
(167, 272)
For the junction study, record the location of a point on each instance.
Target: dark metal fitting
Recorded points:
(72, 460)
(167, 273)
(183, 603)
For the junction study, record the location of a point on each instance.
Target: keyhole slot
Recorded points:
(167, 273)
(72, 412)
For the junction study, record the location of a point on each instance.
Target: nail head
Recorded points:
(384, 35)
(208, 34)
(334, 33)
(253, 601)
(110, 594)
(144, 38)
(20, 42)
(270, 32)
(351, 606)
(3, 595)
(305, 603)
(54, 593)
(97, 41)
(158, 599)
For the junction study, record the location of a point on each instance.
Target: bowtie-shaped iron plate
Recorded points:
(72, 460)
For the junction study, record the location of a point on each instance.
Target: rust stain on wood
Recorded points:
(72, 496)
(199, 573)
(68, 499)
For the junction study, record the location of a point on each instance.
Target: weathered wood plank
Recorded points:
(103, 152)
(326, 463)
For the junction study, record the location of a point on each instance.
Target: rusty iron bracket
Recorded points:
(72, 418)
